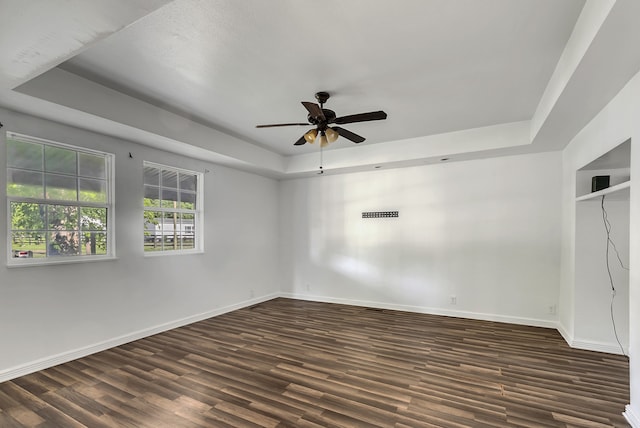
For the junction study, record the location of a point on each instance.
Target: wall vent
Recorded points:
(379, 214)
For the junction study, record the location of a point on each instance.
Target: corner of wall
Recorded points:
(632, 416)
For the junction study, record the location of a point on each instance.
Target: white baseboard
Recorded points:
(426, 310)
(596, 346)
(54, 360)
(632, 417)
(64, 357)
(610, 348)
(565, 334)
(588, 345)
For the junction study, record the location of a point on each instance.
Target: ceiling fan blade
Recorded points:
(361, 117)
(300, 142)
(281, 124)
(348, 134)
(314, 110)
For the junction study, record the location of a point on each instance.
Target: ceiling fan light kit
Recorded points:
(326, 137)
(322, 118)
(332, 135)
(311, 135)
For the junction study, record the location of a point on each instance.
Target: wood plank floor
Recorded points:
(288, 363)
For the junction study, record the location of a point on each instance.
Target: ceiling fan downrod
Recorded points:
(322, 97)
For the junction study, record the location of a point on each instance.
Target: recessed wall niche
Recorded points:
(602, 252)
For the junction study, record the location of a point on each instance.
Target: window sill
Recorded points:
(173, 253)
(73, 260)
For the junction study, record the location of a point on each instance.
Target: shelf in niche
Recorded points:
(619, 192)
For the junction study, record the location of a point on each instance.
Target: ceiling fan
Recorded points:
(322, 118)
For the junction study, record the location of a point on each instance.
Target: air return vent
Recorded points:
(379, 214)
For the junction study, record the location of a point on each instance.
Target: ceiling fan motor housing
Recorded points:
(329, 116)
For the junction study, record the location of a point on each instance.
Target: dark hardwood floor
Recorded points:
(304, 364)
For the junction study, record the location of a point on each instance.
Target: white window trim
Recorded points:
(199, 213)
(111, 235)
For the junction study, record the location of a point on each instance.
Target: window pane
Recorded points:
(25, 184)
(169, 179)
(93, 218)
(60, 160)
(61, 187)
(94, 243)
(63, 243)
(169, 198)
(92, 190)
(62, 217)
(24, 155)
(187, 200)
(152, 231)
(28, 216)
(170, 231)
(188, 231)
(151, 196)
(151, 175)
(92, 165)
(29, 244)
(187, 182)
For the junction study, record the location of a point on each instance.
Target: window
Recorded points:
(59, 200)
(172, 209)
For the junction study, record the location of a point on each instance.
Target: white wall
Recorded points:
(52, 313)
(617, 122)
(484, 231)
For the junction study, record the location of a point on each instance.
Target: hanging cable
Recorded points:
(607, 228)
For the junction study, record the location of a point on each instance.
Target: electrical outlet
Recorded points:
(553, 309)
(252, 293)
(308, 287)
(453, 300)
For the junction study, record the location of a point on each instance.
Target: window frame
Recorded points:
(198, 213)
(109, 205)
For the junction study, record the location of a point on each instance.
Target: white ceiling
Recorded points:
(434, 66)
(439, 68)
(39, 34)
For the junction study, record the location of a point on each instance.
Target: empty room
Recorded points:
(357, 213)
